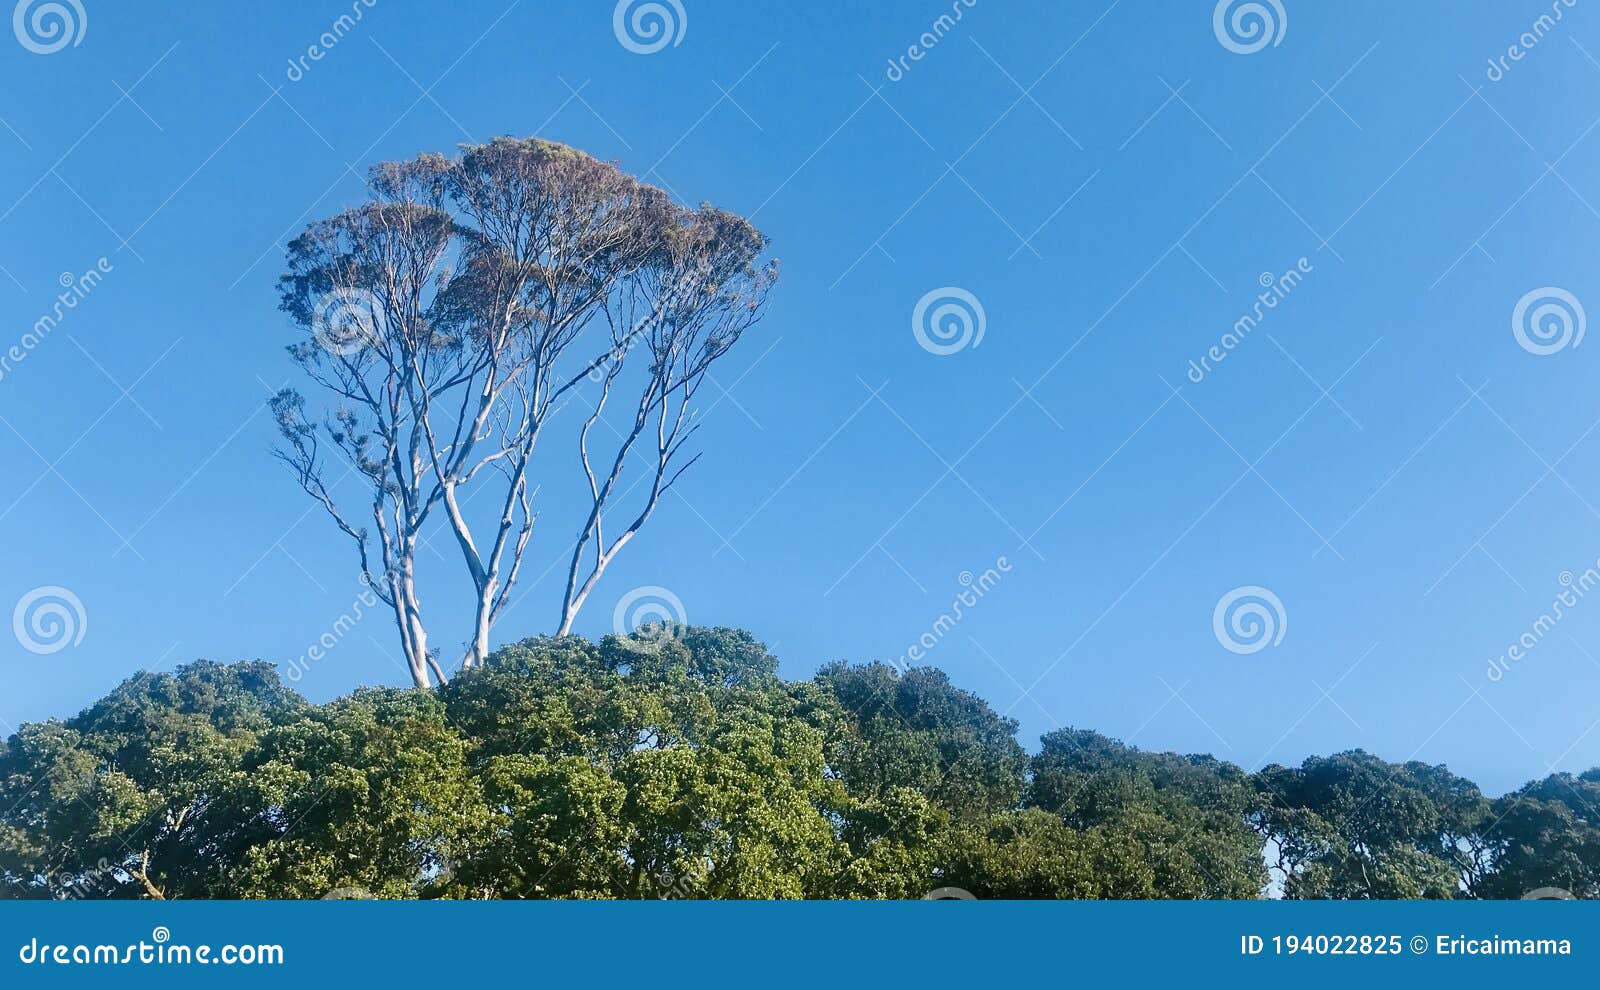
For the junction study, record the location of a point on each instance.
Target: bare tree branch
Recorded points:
(444, 316)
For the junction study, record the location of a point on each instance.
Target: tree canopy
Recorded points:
(684, 766)
(454, 313)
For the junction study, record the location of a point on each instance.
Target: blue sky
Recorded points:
(1108, 180)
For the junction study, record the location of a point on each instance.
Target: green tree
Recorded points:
(647, 766)
(369, 793)
(1353, 826)
(1546, 834)
(1032, 855)
(1187, 815)
(917, 730)
(108, 804)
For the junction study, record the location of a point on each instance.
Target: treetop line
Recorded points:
(684, 767)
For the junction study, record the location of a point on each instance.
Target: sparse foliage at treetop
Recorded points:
(450, 318)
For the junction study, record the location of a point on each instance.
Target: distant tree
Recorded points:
(916, 730)
(369, 794)
(894, 843)
(1031, 855)
(109, 804)
(686, 770)
(1188, 815)
(1545, 834)
(1352, 826)
(449, 318)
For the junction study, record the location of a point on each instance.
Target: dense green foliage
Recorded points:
(685, 767)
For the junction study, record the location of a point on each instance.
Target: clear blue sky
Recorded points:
(1109, 180)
